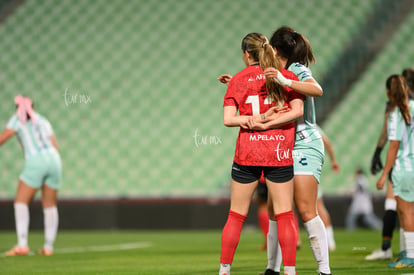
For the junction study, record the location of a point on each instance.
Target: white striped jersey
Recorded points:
(306, 130)
(400, 131)
(33, 137)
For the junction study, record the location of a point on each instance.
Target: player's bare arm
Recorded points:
(6, 135)
(308, 87)
(295, 112)
(391, 157)
(231, 119)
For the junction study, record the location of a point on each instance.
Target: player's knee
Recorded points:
(307, 214)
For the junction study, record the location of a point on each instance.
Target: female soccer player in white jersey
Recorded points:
(42, 170)
(389, 218)
(295, 54)
(270, 152)
(400, 158)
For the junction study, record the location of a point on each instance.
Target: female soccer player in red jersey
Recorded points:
(250, 93)
(294, 52)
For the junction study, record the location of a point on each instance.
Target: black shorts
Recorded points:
(248, 174)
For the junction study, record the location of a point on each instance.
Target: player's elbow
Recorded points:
(319, 91)
(315, 89)
(298, 113)
(227, 122)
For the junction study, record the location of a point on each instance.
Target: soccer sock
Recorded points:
(409, 244)
(386, 244)
(22, 218)
(274, 253)
(287, 236)
(402, 240)
(51, 221)
(262, 216)
(296, 221)
(231, 236)
(331, 239)
(318, 243)
(389, 221)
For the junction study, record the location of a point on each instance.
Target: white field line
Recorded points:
(102, 248)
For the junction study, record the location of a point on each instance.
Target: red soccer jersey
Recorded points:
(247, 91)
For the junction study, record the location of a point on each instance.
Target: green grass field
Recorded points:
(180, 253)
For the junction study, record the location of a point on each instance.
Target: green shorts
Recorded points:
(45, 167)
(402, 185)
(308, 158)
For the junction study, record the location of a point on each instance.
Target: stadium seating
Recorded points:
(130, 88)
(355, 125)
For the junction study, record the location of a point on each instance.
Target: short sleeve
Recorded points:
(301, 71)
(48, 128)
(13, 123)
(229, 98)
(294, 95)
(394, 127)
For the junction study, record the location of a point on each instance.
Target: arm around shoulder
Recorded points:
(309, 87)
(54, 142)
(6, 135)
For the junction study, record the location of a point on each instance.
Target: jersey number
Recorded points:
(254, 100)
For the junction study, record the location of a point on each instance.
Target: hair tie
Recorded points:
(24, 108)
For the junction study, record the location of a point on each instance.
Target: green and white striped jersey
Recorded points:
(306, 130)
(33, 137)
(399, 130)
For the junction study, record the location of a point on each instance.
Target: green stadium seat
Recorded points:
(150, 69)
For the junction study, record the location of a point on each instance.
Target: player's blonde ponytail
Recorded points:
(261, 51)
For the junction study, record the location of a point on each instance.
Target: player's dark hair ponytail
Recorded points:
(293, 46)
(398, 94)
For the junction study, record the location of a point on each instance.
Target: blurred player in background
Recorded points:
(390, 206)
(400, 158)
(268, 151)
(263, 214)
(408, 74)
(322, 211)
(361, 204)
(42, 170)
(390, 216)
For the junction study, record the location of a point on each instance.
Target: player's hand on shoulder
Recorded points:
(270, 72)
(224, 78)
